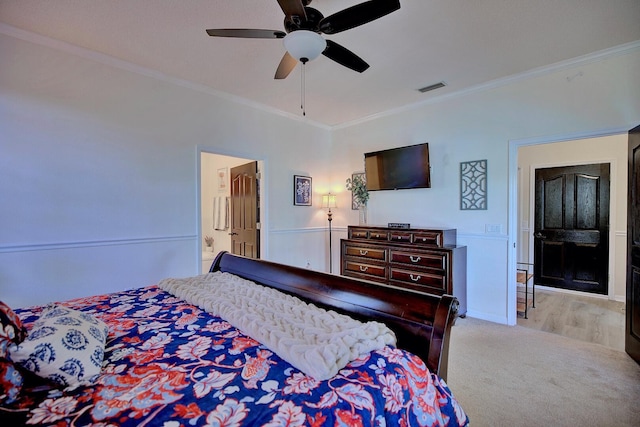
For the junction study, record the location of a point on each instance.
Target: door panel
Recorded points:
(245, 235)
(571, 246)
(587, 190)
(632, 336)
(553, 203)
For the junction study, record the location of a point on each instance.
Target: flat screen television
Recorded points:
(398, 168)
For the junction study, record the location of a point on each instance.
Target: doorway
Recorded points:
(214, 203)
(527, 155)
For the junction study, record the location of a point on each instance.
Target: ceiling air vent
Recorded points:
(432, 87)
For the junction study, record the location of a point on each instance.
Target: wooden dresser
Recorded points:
(426, 260)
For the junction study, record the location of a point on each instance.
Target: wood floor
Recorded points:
(580, 317)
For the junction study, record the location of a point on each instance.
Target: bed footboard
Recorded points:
(422, 322)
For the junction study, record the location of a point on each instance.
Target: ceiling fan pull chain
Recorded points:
(302, 89)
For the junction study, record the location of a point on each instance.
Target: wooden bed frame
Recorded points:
(422, 322)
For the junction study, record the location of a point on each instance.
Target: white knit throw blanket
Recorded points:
(316, 341)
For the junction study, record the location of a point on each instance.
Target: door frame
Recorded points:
(264, 211)
(512, 216)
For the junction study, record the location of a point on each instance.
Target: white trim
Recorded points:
(93, 243)
(307, 230)
(483, 236)
(148, 72)
(512, 227)
(605, 54)
(601, 55)
(552, 139)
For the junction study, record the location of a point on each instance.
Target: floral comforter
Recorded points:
(168, 363)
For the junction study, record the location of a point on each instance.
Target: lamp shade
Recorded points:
(304, 45)
(329, 201)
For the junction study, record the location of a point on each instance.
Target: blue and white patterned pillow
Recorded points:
(64, 345)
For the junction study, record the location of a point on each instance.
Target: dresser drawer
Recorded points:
(428, 238)
(400, 237)
(365, 252)
(358, 233)
(429, 260)
(378, 235)
(418, 279)
(366, 269)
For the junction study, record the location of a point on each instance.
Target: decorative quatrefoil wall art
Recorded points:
(473, 185)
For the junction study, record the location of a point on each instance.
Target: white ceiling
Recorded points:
(464, 43)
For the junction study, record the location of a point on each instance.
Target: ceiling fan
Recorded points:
(304, 24)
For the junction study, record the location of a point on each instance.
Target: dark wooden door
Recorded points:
(245, 213)
(632, 340)
(571, 236)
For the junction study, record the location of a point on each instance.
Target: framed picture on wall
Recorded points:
(223, 179)
(301, 190)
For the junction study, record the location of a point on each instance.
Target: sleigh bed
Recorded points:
(169, 358)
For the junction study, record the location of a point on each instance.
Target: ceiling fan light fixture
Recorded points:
(304, 45)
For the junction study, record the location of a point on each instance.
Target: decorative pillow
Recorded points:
(10, 382)
(11, 328)
(64, 345)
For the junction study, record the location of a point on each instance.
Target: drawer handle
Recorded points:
(424, 239)
(363, 268)
(363, 252)
(417, 259)
(377, 236)
(415, 279)
(399, 237)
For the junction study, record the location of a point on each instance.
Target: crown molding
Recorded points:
(579, 61)
(144, 71)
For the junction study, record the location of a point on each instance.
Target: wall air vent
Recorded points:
(432, 87)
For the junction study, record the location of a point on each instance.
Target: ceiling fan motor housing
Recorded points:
(312, 23)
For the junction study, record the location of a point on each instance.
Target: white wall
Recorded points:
(98, 179)
(98, 185)
(610, 149)
(480, 124)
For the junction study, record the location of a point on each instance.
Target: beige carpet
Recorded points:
(514, 376)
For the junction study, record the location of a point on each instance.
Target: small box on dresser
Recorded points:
(425, 260)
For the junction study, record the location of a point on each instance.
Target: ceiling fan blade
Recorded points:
(357, 15)
(344, 56)
(287, 64)
(293, 8)
(247, 33)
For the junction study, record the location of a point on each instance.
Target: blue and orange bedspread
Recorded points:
(168, 363)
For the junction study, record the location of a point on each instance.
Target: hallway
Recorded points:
(584, 318)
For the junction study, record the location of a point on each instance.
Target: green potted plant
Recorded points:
(357, 184)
